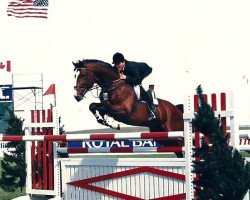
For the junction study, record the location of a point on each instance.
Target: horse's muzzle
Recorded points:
(78, 98)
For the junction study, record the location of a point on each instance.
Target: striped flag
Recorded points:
(28, 8)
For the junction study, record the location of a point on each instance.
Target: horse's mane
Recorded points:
(80, 64)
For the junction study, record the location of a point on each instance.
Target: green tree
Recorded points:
(223, 172)
(13, 174)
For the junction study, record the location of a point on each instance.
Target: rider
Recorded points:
(134, 73)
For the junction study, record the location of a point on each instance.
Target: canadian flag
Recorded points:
(7, 65)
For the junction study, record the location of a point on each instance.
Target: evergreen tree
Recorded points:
(223, 173)
(13, 174)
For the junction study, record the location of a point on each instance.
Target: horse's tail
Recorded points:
(180, 107)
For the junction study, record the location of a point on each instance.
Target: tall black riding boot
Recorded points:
(151, 105)
(151, 113)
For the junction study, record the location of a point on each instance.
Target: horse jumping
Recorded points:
(119, 101)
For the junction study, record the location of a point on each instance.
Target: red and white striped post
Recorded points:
(189, 115)
(42, 153)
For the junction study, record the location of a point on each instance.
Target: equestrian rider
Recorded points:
(133, 73)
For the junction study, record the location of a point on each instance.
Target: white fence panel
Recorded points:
(105, 177)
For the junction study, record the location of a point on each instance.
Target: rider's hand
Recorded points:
(122, 76)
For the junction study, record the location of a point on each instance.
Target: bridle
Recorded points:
(105, 87)
(94, 87)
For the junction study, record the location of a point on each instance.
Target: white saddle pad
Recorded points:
(137, 91)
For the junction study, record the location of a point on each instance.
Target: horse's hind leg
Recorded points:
(155, 127)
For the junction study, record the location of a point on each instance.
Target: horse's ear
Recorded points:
(75, 64)
(81, 63)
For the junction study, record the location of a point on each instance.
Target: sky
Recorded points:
(186, 42)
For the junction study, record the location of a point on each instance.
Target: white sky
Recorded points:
(187, 42)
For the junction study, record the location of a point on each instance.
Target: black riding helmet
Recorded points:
(117, 58)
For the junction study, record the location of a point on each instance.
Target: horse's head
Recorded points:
(93, 71)
(85, 80)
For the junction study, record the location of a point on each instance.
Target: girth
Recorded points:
(133, 108)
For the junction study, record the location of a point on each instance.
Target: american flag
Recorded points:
(28, 8)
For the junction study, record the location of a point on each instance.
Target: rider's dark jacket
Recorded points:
(135, 72)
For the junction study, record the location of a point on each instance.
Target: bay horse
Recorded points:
(119, 101)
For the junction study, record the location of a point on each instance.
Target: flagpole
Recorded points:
(55, 99)
(54, 95)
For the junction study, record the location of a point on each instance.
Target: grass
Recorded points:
(9, 195)
(245, 154)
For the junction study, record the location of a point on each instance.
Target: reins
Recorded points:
(107, 87)
(112, 85)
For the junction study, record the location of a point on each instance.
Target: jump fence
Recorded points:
(115, 178)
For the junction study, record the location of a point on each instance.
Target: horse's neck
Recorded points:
(105, 76)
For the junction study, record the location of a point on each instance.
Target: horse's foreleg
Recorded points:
(107, 120)
(100, 115)
(94, 107)
(111, 122)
